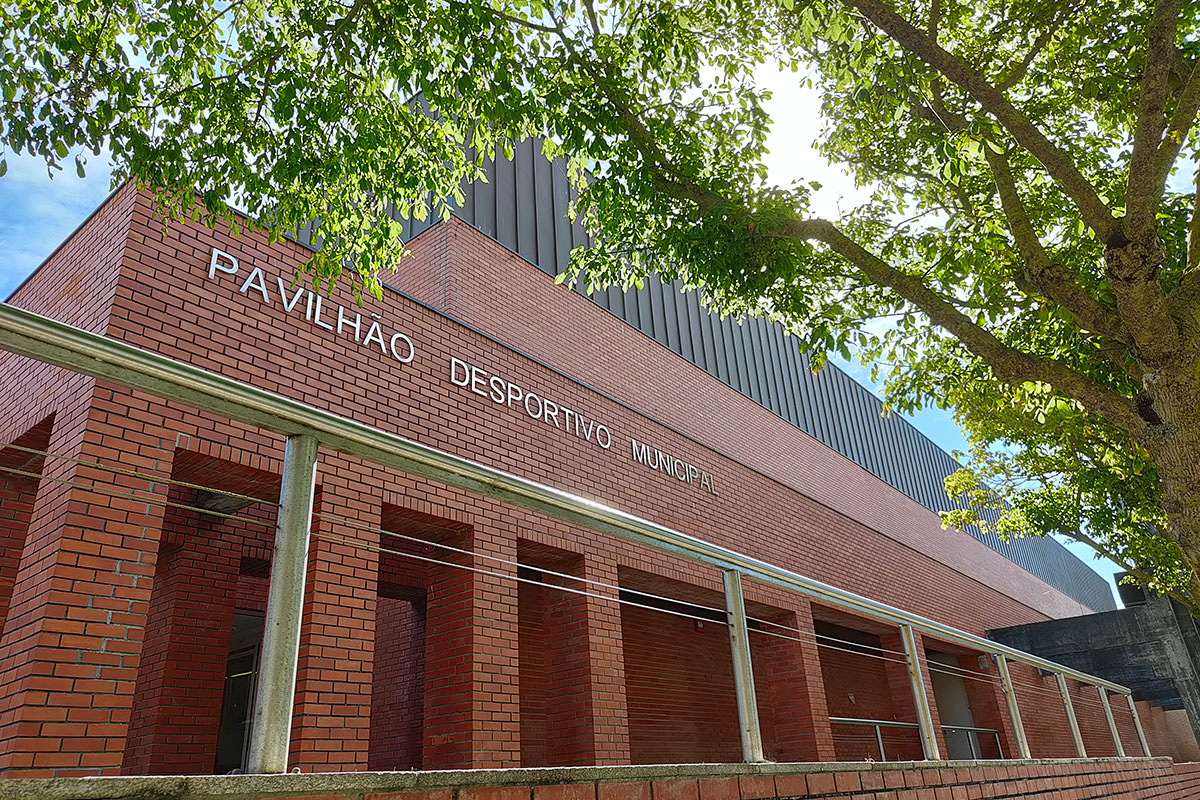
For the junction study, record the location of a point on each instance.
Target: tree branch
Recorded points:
(1019, 71)
(1010, 365)
(1193, 244)
(1143, 189)
(592, 19)
(1182, 122)
(1184, 301)
(1044, 274)
(1132, 272)
(1056, 162)
(523, 23)
(1142, 575)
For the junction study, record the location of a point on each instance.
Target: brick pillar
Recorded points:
(331, 723)
(181, 683)
(794, 690)
(472, 695)
(901, 687)
(586, 713)
(71, 644)
(989, 707)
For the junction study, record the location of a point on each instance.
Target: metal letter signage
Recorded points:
(504, 392)
(371, 336)
(675, 467)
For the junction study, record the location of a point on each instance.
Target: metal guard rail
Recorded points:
(879, 724)
(38, 337)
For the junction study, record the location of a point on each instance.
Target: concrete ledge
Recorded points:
(354, 784)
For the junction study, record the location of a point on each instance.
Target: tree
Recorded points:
(1026, 256)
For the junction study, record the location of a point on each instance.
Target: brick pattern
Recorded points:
(1079, 780)
(397, 684)
(793, 688)
(782, 499)
(72, 637)
(76, 284)
(1096, 781)
(679, 684)
(867, 684)
(331, 718)
(17, 495)
(572, 675)
(198, 584)
(177, 706)
(519, 306)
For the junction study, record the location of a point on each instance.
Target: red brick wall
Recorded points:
(18, 492)
(572, 665)
(790, 685)
(788, 527)
(679, 685)
(535, 739)
(792, 506)
(857, 686)
(398, 685)
(177, 704)
(76, 284)
(474, 279)
(331, 718)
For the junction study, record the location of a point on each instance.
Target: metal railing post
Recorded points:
(1112, 723)
(271, 730)
(743, 672)
(1137, 725)
(1014, 711)
(1080, 750)
(929, 742)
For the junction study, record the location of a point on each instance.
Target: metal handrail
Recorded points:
(880, 724)
(29, 334)
(968, 728)
(973, 738)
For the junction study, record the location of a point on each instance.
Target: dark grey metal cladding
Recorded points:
(523, 206)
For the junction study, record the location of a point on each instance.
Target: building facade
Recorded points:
(443, 629)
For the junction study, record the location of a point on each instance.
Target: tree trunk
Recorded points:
(1174, 445)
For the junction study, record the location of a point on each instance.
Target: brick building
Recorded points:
(443, 629)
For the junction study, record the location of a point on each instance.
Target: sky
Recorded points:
(37, 212)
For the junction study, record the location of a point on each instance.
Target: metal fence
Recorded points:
(307, 428)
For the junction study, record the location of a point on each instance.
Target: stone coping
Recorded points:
(321, 784)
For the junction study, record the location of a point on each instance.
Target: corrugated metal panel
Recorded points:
(523, 206)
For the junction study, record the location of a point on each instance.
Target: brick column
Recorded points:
(331, 723)
(181, 683)
(585, 670)
(472, 695)
(71, 644)
(794, 691)
(901, 687)
(990, 709)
